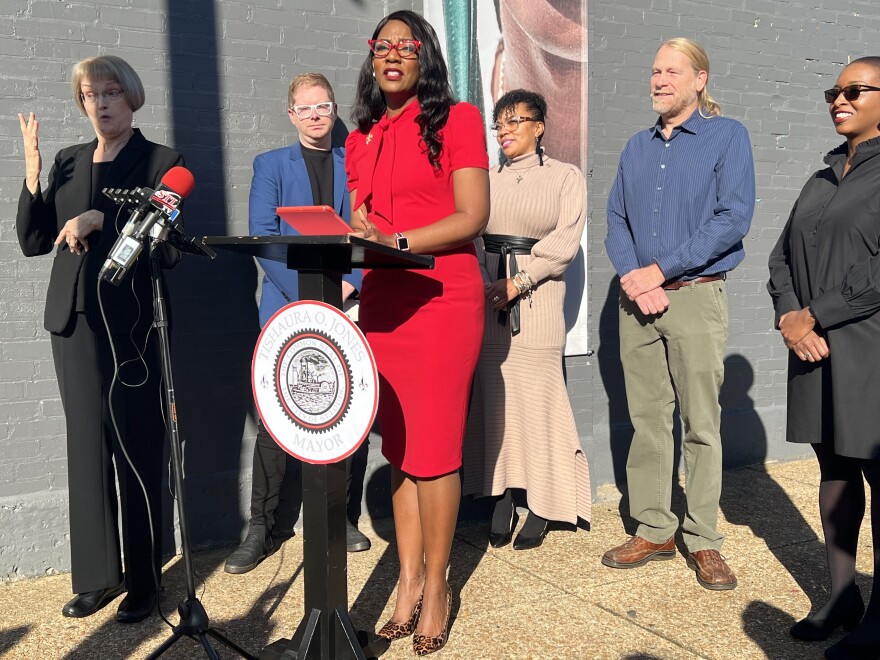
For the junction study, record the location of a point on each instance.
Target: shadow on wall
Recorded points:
(215, 315)
(214, 320)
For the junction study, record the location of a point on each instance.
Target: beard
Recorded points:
(673, 105)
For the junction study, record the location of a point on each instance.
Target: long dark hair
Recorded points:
(433, 90)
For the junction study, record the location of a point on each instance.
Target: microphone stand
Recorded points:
(194, 622)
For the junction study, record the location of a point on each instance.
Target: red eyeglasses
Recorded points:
(406, 48)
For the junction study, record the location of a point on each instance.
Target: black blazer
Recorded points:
(69, 193)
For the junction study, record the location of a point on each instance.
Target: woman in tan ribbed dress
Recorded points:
(521, 432)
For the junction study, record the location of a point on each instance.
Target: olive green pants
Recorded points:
(677, 353)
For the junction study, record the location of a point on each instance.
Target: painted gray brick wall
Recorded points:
(769, 63)
(216, 76)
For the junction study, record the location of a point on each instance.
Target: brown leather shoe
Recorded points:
(637, 552)
(712, 571)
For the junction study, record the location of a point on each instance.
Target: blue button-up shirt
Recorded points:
(684, 203)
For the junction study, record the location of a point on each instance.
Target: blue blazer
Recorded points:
(281, 179)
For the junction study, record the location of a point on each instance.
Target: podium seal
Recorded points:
(315, 382)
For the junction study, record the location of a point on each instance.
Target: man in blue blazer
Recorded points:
(309, 172)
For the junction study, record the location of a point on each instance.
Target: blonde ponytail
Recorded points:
(700, 62)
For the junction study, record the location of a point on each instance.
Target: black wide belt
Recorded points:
(508, 247)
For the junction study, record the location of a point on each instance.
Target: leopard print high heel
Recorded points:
(425, 644)
(393, 630)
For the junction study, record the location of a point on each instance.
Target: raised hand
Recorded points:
(33, 162)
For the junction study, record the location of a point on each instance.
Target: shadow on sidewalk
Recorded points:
(752, 498)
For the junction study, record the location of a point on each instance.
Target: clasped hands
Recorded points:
(799, 334)
(644, 287)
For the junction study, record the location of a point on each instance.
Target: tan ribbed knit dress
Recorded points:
(521, 431)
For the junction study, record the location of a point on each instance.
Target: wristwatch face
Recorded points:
(402, 242)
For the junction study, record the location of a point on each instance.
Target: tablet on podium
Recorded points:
(314, 220)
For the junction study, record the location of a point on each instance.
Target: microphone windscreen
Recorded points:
(180, 180)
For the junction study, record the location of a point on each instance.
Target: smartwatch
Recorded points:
(402, 242)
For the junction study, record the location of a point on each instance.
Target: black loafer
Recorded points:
(134, 608)
(86, 604)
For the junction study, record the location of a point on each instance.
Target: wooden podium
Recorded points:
(325, 631)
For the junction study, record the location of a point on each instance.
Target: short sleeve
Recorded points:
(465, 137)
(351, 158)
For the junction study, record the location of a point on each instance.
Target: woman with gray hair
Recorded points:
(71, 218)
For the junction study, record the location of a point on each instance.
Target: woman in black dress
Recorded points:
(72, 218)
(825, 285)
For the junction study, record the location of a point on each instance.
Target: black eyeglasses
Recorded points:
(850, 92)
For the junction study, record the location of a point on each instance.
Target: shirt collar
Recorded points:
(411, 109)
(691, 125)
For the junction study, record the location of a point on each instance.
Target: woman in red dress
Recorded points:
(417, 172)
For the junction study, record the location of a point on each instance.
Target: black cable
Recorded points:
(156, 575)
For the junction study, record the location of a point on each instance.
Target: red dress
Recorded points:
(425, 326)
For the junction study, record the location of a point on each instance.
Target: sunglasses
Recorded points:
(850, 92)
(406, 48)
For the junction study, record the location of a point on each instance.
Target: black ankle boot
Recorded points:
(846, 611)
(503, 521)
(256, 546)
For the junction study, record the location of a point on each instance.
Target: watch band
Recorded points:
(402, 242)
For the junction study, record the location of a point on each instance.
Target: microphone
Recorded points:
(156, 206)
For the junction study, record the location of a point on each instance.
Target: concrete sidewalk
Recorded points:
(557, 601)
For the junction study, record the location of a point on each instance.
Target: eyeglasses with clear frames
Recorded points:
(510, 124)
(406, 48)
(324, 109)
(110, 95)
(850, 92)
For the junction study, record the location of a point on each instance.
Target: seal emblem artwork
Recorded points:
(315, 382)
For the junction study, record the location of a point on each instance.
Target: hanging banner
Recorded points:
(495, 46)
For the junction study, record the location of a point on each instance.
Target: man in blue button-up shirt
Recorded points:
(677, 213)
